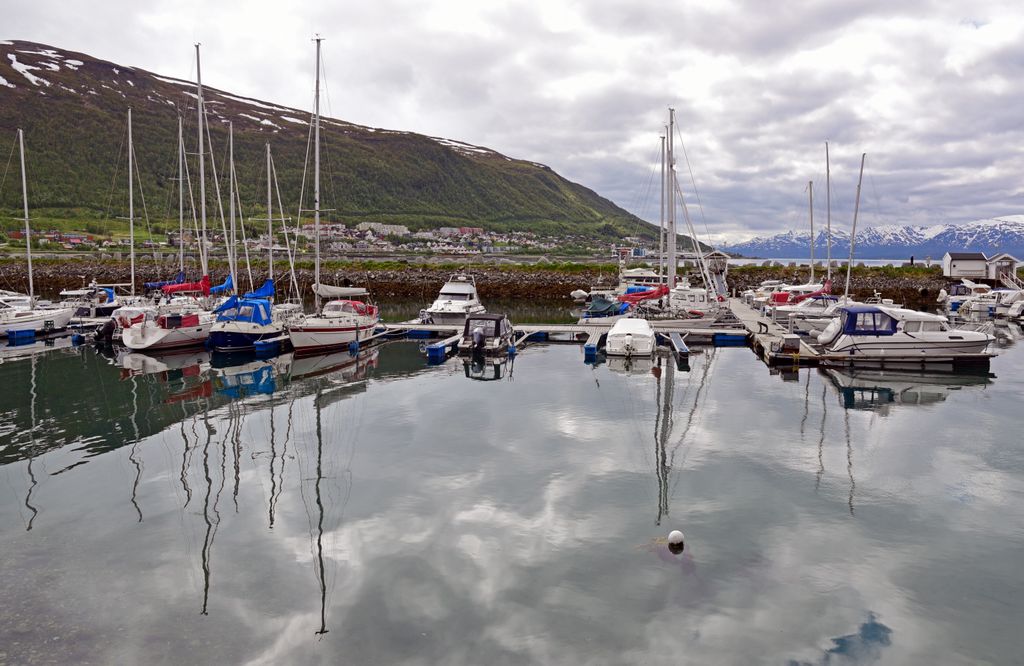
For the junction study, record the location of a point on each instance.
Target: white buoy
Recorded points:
(675, 536)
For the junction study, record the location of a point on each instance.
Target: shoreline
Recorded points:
(912, 286)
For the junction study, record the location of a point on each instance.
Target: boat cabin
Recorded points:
(490, 325)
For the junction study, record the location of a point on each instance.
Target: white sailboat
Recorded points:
(342, 319)
(15, 320)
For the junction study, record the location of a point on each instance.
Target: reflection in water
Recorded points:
(880, 390)
(133, 454)
(31, 448)
(863, 647)
(484, 368)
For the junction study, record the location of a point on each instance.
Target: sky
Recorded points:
(929, 90)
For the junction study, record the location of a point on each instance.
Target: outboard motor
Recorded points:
(478, 338)
(105, 334)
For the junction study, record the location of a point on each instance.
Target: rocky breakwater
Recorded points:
(913, 287)
(400, 282)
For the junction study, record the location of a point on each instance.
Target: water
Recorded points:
(377, 510)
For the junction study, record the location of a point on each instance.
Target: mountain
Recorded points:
(1001, 234)
(73, 109)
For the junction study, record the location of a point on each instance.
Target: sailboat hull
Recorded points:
(35, 320)
(232, 336)
(148, 336)
(315, 333)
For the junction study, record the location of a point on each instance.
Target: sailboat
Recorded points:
(14, 320)
(181, 322)
(343, 319)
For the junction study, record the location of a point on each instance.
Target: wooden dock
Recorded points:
(772, 343)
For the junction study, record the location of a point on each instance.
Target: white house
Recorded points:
(1002, 264)
(976, 265)
(958, 265)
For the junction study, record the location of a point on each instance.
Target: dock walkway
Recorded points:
(767, 338)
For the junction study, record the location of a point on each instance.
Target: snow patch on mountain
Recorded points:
(26, 71)
(1002, 234)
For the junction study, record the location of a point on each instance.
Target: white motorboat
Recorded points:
(457, 300)
(695, 301)
(995, 303)
(486, 334)
(958, 293)
(876, 331)
(630, 337)
(340, 322)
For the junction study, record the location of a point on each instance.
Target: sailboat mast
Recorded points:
(853, 232)
(661, 222)
(28, 231)
(181, 197)
(232, 248)
(201, 110)
(671, 201)
(810, 194)
(828, 200)
(131, 200)
(316, 176)
(270, 220)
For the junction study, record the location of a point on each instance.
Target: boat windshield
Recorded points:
(339, 308)
(449, 296)
(488, 327)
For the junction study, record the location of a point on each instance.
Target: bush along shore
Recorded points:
(913, 286)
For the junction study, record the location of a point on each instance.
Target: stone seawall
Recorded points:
(915, 289)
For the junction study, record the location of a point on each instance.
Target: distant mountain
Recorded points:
(1001, 234)
(73, 109)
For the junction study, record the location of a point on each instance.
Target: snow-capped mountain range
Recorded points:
(1000, 234)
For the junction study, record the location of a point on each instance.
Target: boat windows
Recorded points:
(454, 297)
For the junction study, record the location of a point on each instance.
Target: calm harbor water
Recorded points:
(376, 510)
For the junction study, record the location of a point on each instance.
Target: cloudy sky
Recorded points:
(929, 90)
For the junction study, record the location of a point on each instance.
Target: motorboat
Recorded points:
(340, 322)
(95, 301)
(958, 293)
(630, 337)
(877, 331)
(486, 334)
(995, 303)
(37, 320)
(695, 301)
(601, 307)
(457, 300)
(757, 296)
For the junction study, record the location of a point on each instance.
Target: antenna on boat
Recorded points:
(853, 233)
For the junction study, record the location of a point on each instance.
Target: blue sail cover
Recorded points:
(266, 290)
(228, 285)
(178, 279)
(253, 310)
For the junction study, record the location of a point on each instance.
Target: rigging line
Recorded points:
(117, 169)
(693, 181)
(241, 218)
(284, 229)
(192, 202)
(216, 187)
(7, 168)
(641, 197)
(142, 195)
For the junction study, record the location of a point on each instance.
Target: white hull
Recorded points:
(35, 320)
(906, 345)
(453, 317)
(325, 333)
(630, 337)
(149, 336)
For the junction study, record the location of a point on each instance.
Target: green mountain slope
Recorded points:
(73, 109)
